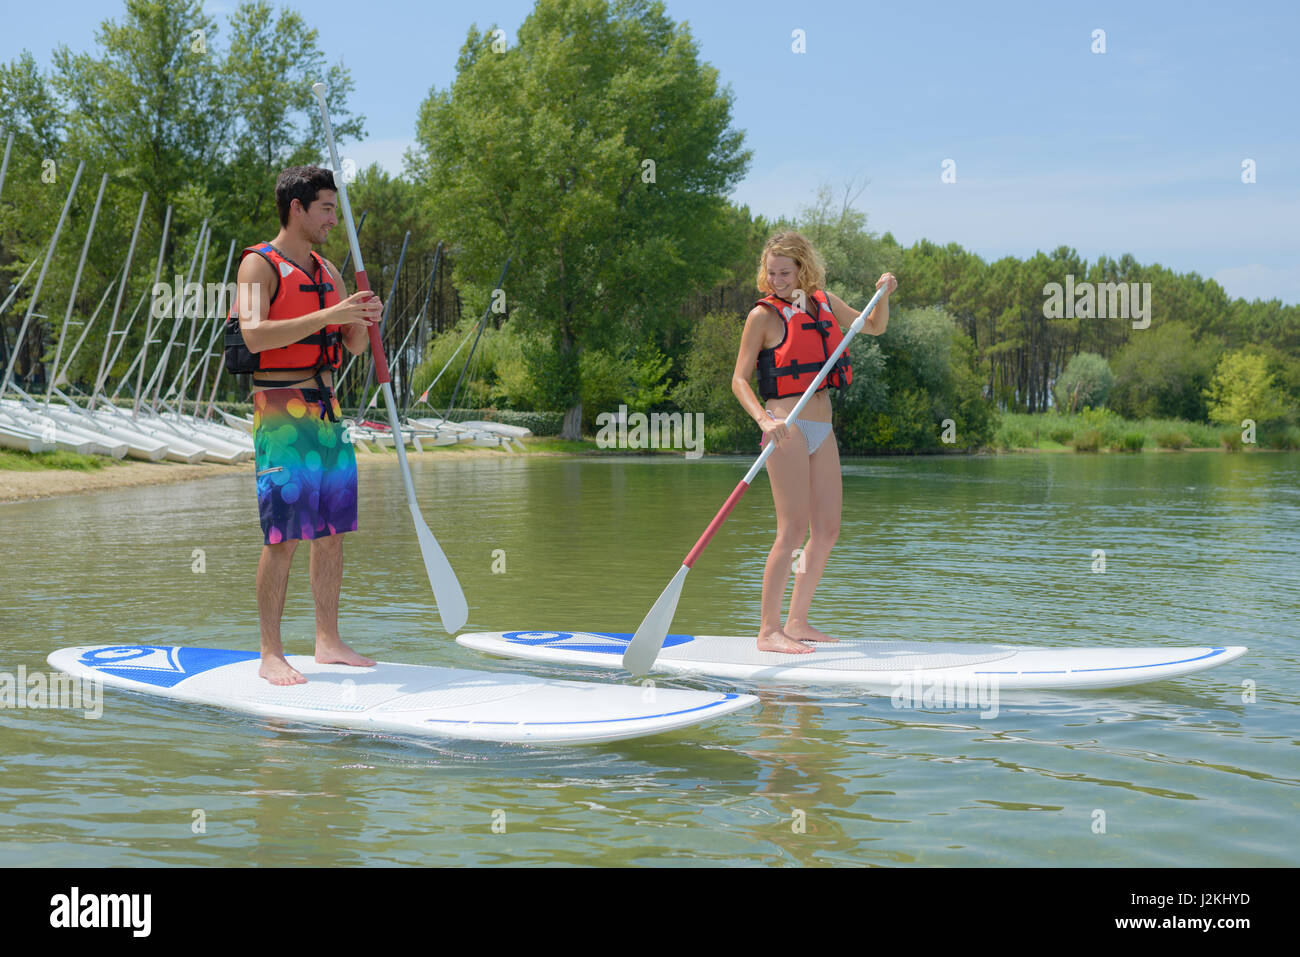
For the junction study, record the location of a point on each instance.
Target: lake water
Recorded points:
(1200, 549)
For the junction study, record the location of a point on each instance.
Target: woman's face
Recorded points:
(782, 275)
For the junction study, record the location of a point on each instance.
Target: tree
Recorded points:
(1243, 388)
(598, 151)
(268, 73)
(1086, 381)
(151, 104)
(1163, 372)
(907, 381)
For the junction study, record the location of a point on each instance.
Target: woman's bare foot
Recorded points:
(802, 631)
(278, 671)
(781, 642)
(334, 652)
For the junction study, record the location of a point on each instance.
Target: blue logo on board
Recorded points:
(600, 642)
(143, 657)
(162, 666)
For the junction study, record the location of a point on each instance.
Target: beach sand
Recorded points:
(18, 486)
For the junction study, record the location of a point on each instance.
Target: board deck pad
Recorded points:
(873, 664)
(403, 699)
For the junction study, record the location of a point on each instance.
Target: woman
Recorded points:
(785, 334)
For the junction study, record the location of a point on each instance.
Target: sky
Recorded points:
(1047, 140)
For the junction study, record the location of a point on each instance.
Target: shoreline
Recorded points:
(26, 486)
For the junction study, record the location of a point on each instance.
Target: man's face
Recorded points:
(322, 216)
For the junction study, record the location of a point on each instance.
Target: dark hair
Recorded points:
(302, 183)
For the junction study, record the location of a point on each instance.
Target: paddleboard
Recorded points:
(873, 665)
(403, 699)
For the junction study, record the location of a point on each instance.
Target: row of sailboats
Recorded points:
(156, 425)
(438, 430)
(94, 423)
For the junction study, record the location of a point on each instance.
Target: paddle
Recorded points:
(649, 638)
(452, 607)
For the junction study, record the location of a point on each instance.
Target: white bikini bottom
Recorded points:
(814, 432)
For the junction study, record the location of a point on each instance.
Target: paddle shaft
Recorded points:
(452, 607)
(363, 282)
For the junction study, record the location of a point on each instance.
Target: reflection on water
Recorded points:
(1198, 549)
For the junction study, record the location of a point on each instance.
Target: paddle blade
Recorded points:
(645, 645)
(453, 609)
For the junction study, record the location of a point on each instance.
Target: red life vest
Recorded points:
(788, 367)
(292, 299)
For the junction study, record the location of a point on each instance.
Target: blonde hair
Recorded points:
(812, 271)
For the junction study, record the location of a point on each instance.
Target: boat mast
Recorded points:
(160, 370)
(56, 373)
(198, 313)
(40, 279)
(383, 322)
(218, 324)
(149, 328)
(76, 283)
(117, 305)
(4, 165)
(407, 389)
(482, 325)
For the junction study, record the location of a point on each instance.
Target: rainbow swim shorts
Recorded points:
(306, 467)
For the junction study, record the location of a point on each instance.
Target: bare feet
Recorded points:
(278, 671)
(781, 642)
(334, 652)
(802, 631)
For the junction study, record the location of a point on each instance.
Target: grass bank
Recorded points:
(1098, 430)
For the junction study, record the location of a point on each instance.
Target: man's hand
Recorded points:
(363, 308)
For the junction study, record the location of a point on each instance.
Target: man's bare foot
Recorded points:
(278, 671)
(336, 653)
(781, 642)
(806, 632)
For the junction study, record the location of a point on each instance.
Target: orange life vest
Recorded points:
(788, 367)
(292, 299)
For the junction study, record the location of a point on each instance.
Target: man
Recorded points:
(294, 322)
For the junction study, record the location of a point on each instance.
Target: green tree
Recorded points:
(907, 381)
(706, 383)
(150, 104)
(273, 117)
(1243, 388)
(1086, 382)
(597, 150)
(1163, 372)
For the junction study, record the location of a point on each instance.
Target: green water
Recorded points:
(1199, 549)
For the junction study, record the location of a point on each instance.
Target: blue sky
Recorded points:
(1138, 149)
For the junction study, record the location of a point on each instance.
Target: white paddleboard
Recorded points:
(403, 699)
(874, 665)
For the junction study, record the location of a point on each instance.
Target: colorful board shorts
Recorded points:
(306, 467)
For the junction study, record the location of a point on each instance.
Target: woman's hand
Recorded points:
(889, 280)
(773, 429)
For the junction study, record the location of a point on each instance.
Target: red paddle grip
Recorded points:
(376, 344)
(714, 525)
